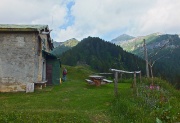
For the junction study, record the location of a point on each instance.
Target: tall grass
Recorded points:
(151, 105)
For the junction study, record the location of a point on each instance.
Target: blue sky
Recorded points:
(106, 19)
(70, 18)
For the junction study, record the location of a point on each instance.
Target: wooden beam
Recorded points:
(122, 71)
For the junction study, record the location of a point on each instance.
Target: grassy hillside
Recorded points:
(136, 43)
(74, 101)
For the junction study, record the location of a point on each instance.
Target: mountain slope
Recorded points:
(135, 43)
(64, 46)
(56, 44)
(101, 55)
(167, 64)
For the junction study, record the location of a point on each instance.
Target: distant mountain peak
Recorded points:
(64, 46)
(72, 39)
(70, 42)
(159, 33)
(123, 37)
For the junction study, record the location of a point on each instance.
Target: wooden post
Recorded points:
(134, 79)
(152, 77)
(140, 77)
(135, 86)
(116, 83)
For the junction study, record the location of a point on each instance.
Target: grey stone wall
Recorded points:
(18, 56)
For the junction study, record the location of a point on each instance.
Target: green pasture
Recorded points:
(74, 101)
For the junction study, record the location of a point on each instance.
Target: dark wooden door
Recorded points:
(49, 74)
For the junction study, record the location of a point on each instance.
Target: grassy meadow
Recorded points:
(74, 101)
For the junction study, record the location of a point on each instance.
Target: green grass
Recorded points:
(74, 101)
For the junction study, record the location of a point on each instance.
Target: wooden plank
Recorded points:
(88, 80)
(108, 81)
(122, 71)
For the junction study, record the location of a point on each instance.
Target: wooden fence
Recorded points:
(115, 71)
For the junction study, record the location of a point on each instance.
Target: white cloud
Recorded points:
(163, 17)
(49, 12)
(101, 18)
(97, 18)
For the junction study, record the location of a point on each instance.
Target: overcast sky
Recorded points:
(106, 19)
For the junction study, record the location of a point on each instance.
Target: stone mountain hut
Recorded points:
(25, 58)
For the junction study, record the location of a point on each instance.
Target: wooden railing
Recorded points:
(128, 72)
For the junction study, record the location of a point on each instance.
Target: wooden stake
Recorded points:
(140, 76)
(135, 86)
(116, 83)
(134, 79)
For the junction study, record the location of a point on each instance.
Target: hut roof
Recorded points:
(15, 27)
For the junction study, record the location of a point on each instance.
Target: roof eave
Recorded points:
(18, 30)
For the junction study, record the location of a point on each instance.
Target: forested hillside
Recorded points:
(101, 55)
(167, 47)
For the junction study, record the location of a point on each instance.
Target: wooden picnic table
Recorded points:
(96, 79)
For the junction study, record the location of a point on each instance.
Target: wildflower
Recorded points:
(151, 87)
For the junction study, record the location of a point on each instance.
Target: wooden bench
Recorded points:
(40, 85)
(107, 81)
(89, 81)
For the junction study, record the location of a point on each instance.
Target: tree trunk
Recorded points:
(146, 59)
